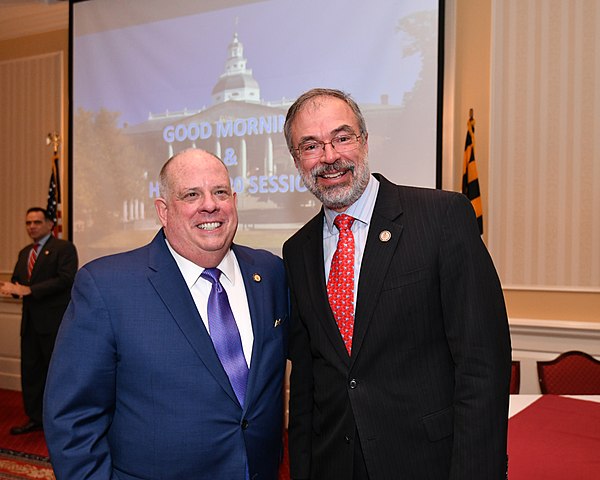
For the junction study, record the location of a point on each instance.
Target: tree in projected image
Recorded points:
(112, 191)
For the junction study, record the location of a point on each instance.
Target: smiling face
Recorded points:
(197, 208)
(336, 179)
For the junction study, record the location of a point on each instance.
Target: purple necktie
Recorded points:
(225, 334)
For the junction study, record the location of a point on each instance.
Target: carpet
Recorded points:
(23, 466)
(11, 414)
(284, 468)
(555, 438)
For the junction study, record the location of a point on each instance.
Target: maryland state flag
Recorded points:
(54, 206)
(470, 180)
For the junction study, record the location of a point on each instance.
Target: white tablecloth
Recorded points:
(520, 402)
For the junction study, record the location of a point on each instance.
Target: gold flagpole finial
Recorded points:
(54, 139)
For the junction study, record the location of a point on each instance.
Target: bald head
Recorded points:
(197, 207)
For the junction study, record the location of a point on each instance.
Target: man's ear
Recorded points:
(161, 210)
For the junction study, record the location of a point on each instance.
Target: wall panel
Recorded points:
(32, 104)
(544, 201)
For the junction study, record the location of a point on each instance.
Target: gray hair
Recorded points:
(310, 95)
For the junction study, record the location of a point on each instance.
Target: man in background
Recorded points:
(399, 341)
(170, 360)
(42, 277)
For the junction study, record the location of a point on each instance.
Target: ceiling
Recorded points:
(20, 18)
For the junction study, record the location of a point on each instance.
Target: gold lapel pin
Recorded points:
(385, 236)
(277, 322)
(256, 277)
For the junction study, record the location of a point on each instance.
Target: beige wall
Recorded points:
(34, 72)
(471, 87)
(468, 86)
(57, 41)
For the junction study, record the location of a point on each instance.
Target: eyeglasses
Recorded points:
(342, 143)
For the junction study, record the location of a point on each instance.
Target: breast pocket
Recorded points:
(278, 334)
(400, 279)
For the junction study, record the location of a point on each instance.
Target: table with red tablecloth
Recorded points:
(553, 437)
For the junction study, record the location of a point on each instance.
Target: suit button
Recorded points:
(353, 384)
(244, 424)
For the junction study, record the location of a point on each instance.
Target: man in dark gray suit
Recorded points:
(413, 381)
(43, 276)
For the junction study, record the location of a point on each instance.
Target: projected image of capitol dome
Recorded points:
(246, 132)
(237, 82)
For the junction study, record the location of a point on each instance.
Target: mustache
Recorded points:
(335, 166)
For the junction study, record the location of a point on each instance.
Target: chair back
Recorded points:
(515, 377)
(571, 373)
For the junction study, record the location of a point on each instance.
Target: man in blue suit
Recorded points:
(136, 388)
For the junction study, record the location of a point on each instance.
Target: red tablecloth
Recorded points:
(555, 438)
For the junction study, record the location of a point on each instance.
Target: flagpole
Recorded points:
(470, 177)
(54, 207)
(54, 139)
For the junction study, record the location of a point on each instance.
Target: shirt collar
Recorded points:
(191, 272)
(42, 241)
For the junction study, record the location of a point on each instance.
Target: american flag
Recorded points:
(54, 206)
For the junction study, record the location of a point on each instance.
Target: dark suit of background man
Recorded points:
(136, 389)
(423, 393)
(45, 296)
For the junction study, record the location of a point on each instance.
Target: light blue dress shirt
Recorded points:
(362, 211)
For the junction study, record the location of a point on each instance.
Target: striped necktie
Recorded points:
(33, 254)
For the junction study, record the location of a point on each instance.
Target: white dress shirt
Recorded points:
(233, 283)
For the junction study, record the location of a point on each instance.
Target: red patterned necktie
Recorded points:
(32, 258)
(340, 286)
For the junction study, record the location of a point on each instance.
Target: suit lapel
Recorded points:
(312, 256)
(165, 277)
(382, 243)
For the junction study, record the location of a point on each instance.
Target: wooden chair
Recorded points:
(571, 373)
(515, 377)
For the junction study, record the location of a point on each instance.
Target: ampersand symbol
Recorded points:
(230, 157)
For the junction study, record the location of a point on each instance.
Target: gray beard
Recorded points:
(338, 197)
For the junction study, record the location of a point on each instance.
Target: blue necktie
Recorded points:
(225, 334)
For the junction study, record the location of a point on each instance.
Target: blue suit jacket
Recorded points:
(135, 388)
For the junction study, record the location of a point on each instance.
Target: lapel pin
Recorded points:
(256, 277)
(385, 236)
(46, 252)
(277, 322)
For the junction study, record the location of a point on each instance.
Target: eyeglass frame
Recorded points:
(322, 144)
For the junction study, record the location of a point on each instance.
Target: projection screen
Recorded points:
(151, 78)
